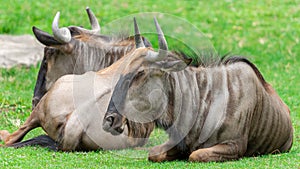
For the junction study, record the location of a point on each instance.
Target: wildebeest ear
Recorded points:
(44, 37)
(49, 40)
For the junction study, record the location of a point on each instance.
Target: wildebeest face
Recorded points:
(56, 61)
(75, 50)
(75, 57)
(140, 94)
(138, 98)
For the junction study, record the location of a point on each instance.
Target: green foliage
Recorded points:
(265, 31)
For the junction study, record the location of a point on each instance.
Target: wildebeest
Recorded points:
(216, 113)
(71, 112)
(75, 50)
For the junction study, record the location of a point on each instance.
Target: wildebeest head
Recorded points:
(136, 97)
(76, 50)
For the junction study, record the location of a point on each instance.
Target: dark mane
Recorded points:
(235, 59)
(104, 38)
(212, 60)
(203, 59)
(113, 38)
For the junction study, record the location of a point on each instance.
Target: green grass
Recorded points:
(268, 32)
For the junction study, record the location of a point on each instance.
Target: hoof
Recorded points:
(3, 135)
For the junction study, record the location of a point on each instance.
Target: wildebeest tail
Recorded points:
(42, 140)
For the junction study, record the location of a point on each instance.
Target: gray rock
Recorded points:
(19, 50)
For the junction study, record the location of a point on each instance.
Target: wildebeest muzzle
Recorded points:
(114, 123)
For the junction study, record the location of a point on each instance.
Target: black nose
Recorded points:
(110, 120)
(113, 123)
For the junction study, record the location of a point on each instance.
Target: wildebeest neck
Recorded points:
(40, 87)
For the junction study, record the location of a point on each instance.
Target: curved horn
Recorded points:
(137, 36)
(163, 46)
(62, 35)
(94, 21)
(161, 37)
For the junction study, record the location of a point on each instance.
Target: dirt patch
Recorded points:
(19, 50)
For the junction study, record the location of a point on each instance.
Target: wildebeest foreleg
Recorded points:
(31, 123)
(72, 133)
(164, 152)
(217, 153)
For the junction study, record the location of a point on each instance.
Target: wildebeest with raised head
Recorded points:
(75, 50)
(71, 112)
(216, 113)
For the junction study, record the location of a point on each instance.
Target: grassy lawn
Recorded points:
(267, 32)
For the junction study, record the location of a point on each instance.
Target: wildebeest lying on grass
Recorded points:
(72, 124)
(216, 113)
(76, 50)
(71, 113)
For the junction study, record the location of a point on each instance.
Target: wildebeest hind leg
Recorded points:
(31, 123)
(217, 153)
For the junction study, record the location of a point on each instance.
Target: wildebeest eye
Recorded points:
(139, 75)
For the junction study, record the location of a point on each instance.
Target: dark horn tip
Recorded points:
(137, 35)
(136, 27)
(134, 20)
